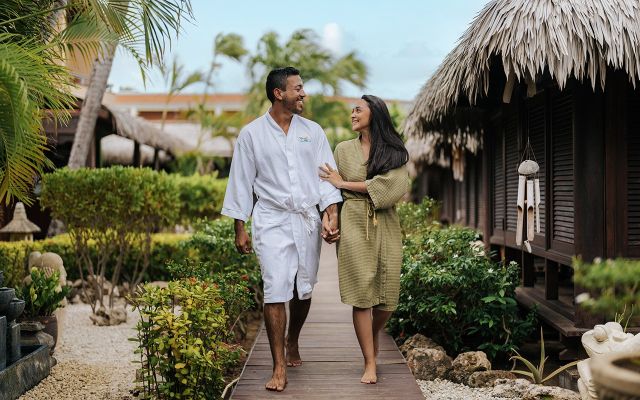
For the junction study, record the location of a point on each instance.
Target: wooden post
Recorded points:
(136, 154)
(550, 280)
(528, 269)
(156, 159)
(589, 183)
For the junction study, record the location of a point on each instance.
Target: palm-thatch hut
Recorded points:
(561, 74)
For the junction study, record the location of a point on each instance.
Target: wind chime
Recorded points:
(529, 195)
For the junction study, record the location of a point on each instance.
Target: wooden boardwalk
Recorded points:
(332, 359)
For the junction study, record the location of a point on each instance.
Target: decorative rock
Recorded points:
(113, 316)
(428, 364)
(466, 364)
(536, 392)
(528, 167)
(419, 341)
(488, 378)
(525, 390)
(511, 388)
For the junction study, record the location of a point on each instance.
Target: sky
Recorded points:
(402, 42)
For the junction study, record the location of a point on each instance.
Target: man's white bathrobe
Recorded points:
(282, 171)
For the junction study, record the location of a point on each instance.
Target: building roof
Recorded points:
(568, 38)
(20, 223)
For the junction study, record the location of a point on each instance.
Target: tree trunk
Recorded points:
(90, 109)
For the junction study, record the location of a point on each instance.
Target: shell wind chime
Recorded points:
(529, 195)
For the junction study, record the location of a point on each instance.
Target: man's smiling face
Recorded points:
(293, 96)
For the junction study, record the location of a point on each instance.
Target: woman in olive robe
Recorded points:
(372, 175)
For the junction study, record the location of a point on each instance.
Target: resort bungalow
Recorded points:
(561, 75)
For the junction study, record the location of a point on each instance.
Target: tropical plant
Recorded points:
(536, 373)
(42, 294)
(184, 335)
(303, 51)
(452, 292)
(141, 27)
(615, 284)
(36, 37)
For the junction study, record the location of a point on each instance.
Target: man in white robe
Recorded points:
(276, 157)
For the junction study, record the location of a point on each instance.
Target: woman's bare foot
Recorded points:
(278, 380)
(293, 355)
(369, 375)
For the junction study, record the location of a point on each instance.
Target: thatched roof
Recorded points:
(145, 132)
(567, 38)
(20, 223)
(116, 149)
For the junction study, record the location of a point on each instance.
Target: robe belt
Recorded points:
(370, 210)
(309, 214)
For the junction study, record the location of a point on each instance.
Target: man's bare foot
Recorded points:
(278, 380)
(369, 375)
(293, 355)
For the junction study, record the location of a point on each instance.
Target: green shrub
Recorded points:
(42, 295)
(201, 196)
(451, 291)
(415, 218)
(13, 262)
(215, 243)
(184, 335)
(117, 209)
(615, 284)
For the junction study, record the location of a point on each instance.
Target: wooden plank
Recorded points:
(332, 360)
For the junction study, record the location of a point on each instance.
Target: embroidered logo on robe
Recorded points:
(304, 139)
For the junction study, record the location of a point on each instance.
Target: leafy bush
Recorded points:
(13, 262)
(415, 218)
(616, 283)
(184, 333)
(453, 293)
(201, 196)
(42, 295)
(118, 208)
(215, 243)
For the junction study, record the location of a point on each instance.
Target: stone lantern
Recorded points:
(20, 228)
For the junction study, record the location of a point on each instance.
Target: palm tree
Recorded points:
(33, 80)
(303, 51)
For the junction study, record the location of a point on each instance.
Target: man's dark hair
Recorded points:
(277, 78)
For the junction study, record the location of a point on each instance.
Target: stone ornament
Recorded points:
(601, 340)
(20, 228)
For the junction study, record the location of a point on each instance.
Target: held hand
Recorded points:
(243, 242)
(330, 175)
(330, 231)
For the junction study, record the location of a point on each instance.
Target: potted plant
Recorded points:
(43, 295)
(616, 288)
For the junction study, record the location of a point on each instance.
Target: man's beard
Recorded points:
(291, 105)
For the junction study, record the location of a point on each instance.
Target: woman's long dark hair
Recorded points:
(387, 150)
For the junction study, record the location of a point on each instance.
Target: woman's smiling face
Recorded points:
(360, 116)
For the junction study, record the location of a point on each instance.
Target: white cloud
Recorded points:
(332, 37)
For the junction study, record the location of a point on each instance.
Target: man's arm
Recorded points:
(243, 241)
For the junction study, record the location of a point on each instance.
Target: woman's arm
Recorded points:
(332, 176)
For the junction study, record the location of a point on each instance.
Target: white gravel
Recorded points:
(440, 389)
(94, 362)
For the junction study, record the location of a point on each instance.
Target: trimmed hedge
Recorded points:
(164, 247)
(201, 196)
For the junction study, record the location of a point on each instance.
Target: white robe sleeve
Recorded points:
(329, 194)
(238, 199)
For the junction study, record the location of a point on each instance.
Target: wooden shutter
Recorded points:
(536, 125)
(562, 174)
(633, 172)
(512, 159)
(498, 182)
